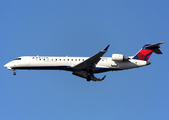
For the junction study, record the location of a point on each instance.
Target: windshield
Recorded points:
(18, 59)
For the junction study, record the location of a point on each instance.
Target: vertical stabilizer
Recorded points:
(147, 50)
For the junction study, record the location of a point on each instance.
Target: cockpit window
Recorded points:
(18, 59)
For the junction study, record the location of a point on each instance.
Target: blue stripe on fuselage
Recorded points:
(67, 68)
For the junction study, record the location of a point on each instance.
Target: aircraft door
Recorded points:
(27, 61)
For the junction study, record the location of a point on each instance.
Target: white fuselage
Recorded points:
(86, 67)
(67, 63)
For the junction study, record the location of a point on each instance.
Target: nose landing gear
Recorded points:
(14, 73)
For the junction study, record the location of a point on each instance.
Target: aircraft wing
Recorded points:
(83, 74)
(85, 69)
(91, 62)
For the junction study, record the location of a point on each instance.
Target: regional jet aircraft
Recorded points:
(86, 67)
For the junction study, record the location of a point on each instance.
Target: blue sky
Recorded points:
(82, 28)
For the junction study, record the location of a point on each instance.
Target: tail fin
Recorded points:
(147, 50)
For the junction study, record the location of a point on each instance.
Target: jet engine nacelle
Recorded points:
(119, 57)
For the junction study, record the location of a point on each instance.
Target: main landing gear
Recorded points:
(89, 74)
(88, 78)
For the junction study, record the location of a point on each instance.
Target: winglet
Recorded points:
(105, 49)
(103, 77)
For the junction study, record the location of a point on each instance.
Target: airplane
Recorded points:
(86, 67)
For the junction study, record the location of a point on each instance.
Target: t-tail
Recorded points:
(147, 50)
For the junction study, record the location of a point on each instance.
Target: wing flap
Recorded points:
(83, 74)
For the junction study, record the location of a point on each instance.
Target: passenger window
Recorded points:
(56, 59)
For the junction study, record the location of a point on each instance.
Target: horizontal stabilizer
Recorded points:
(154, 45)
(157, 51)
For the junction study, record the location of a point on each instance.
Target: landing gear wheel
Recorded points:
(88, 79)
(14, 73)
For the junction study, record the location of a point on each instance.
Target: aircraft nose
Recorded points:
(5, 65)
(8, 66)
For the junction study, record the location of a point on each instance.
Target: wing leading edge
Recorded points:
(85, 69)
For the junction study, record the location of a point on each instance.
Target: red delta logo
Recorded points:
(144, 54)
